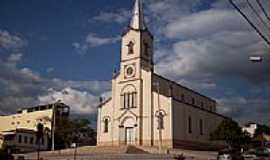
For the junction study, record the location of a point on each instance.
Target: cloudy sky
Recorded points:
(51, 50)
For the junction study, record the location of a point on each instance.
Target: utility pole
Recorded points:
(159, 118)
(53, 126)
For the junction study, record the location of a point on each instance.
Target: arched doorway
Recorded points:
(129, 130)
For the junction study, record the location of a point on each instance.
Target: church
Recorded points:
(146, 109)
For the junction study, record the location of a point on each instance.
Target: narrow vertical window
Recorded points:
(189, 125)
(20, 139)
(193, 101)
(183, 98)
(106, 126)
(25, 139)
(31, 140)
(201, 127)
(202, 104)
(146, 47)
(128, 100)
(130, 47)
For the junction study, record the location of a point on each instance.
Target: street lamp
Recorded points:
(53, 125)
(158, 116)
(256, 59)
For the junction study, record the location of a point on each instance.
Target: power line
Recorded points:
(257, 14)
(250, 23)
(262, 8)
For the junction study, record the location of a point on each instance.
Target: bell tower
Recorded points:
(137, 45)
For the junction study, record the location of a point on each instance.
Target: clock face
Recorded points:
(130, 71)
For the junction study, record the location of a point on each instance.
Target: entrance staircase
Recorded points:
(103, 153)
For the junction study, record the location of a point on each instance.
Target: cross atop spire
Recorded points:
(137, 20)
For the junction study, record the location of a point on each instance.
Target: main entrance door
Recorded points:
(130, 137)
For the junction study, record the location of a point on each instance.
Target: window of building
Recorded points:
(25, 139)
(20, 139)
(201, 127)
(202, 104)
(193, 101)
(189, 125)
(183, 98)
(130, 47)
(129, 100)
(31, 140)
(160, 119)
(106, 126)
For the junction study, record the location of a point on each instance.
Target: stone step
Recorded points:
(112, 157)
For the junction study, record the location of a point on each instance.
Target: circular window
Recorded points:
(129, 71)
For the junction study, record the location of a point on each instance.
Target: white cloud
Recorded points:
(22, 87)
(212, 44)
(49, 70)
(92, 40)
(95, 41)
(120, 17)
(80, 102)
(15, 57)
(8, 41)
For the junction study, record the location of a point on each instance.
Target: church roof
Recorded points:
(137, 20)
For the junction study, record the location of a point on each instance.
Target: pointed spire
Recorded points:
(137, 20)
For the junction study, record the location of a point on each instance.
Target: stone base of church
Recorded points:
(170, 144)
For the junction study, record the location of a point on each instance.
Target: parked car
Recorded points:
(229, 155)
(263, 152)
(250, 154)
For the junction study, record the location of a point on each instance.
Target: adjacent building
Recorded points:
(148, 109)
(18, 131)
(250, 128)
(23, 140)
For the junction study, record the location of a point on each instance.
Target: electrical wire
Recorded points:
(263, 9)
(258, 15)
(250, 22)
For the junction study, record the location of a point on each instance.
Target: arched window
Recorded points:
(189, 125)
(20, 139)
(201, 127)
(183, 98)
(193, 101)
(130, 47)
(160, 119)
(106, 125)
(129, 97)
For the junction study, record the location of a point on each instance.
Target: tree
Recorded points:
(230, 132)
(260, 133)
(67, 129)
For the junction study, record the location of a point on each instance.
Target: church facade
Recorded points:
(147, 109)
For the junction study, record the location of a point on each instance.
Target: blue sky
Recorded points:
(67, 50)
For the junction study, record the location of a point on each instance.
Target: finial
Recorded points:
(137, 20)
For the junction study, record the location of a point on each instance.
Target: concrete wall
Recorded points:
(26, 120)
(181, 134)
